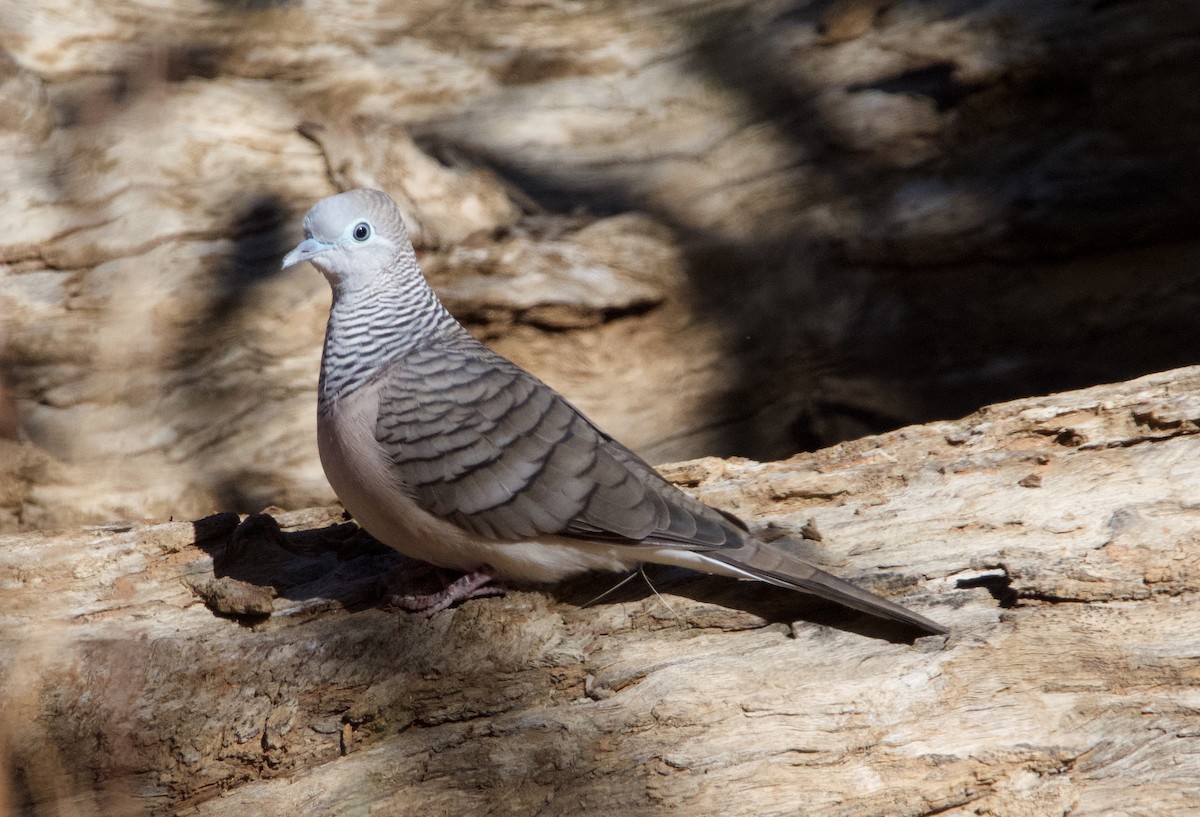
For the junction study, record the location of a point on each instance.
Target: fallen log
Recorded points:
(248, 665)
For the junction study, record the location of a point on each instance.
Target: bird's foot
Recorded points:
(474, 585)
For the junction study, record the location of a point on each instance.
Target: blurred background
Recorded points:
(720, 228)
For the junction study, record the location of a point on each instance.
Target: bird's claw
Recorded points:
(474, 585)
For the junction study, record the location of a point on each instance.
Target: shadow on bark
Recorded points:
(1092, 243)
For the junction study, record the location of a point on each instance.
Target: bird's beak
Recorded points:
(304, 251)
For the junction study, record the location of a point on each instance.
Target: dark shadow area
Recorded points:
(340, 563)
(936, 81)
(1086, 271)
(261, 231)
(973, 321)
(999, 586)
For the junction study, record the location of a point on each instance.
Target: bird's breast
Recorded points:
(365, 481)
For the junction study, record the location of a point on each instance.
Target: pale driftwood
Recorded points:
(1056, 537)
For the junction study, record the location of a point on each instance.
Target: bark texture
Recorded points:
(719, 226)
(230, 667)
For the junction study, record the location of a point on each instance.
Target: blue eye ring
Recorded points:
(361, 231)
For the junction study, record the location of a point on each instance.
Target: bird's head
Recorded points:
(353, 238)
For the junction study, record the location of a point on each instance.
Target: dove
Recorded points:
(451, 454)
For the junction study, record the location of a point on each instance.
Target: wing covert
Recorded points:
(482, 443)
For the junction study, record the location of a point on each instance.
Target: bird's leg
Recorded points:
(473, 585)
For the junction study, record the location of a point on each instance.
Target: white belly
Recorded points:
(361, 476)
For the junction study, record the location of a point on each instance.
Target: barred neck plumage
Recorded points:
(373, 326)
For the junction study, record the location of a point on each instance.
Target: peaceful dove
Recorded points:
(452, 454)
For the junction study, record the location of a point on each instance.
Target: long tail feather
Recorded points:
(771, 564)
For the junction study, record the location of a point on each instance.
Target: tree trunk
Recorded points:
(212, 668)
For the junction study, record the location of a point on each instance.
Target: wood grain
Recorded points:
(1066, 686)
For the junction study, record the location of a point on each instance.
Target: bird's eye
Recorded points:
(362, 231)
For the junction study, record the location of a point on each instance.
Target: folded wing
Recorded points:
(480, 442)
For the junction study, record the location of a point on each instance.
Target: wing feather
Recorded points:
(481, 442)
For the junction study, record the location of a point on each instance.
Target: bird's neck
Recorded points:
(373, 326)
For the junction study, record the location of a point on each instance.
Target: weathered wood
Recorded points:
(828, 217)
(719, 226)
(1056, 536)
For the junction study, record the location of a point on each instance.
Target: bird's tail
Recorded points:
(758, 560)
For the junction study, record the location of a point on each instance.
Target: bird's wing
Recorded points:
(480, 442)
